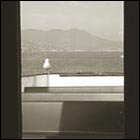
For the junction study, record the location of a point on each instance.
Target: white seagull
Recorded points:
(46, 64)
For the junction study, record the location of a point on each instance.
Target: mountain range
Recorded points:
(73, 39)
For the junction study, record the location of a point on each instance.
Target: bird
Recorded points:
(46, 64)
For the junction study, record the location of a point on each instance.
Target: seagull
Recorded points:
(46, 64)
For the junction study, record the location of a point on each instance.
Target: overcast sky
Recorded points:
(101, 18)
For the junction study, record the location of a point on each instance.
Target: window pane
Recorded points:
(78, 37)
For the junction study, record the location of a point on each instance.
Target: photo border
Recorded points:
(11, 69)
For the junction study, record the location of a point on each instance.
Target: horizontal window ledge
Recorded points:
(95, 89)
(70, 97)
(73, 134)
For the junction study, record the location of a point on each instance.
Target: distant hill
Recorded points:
(73, 39)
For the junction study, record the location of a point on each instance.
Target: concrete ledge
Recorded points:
(95, 89)
(59, 97)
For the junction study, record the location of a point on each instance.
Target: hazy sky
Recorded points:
(101, 18)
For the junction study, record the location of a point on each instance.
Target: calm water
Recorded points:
(94, 62)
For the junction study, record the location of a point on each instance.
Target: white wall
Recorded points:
(57, 81)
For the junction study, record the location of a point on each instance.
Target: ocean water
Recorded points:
(81, 62)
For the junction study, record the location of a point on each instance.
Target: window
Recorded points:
(83, 41)
(79, 38)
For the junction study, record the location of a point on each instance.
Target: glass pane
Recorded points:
(79, 38)
(72, 69)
